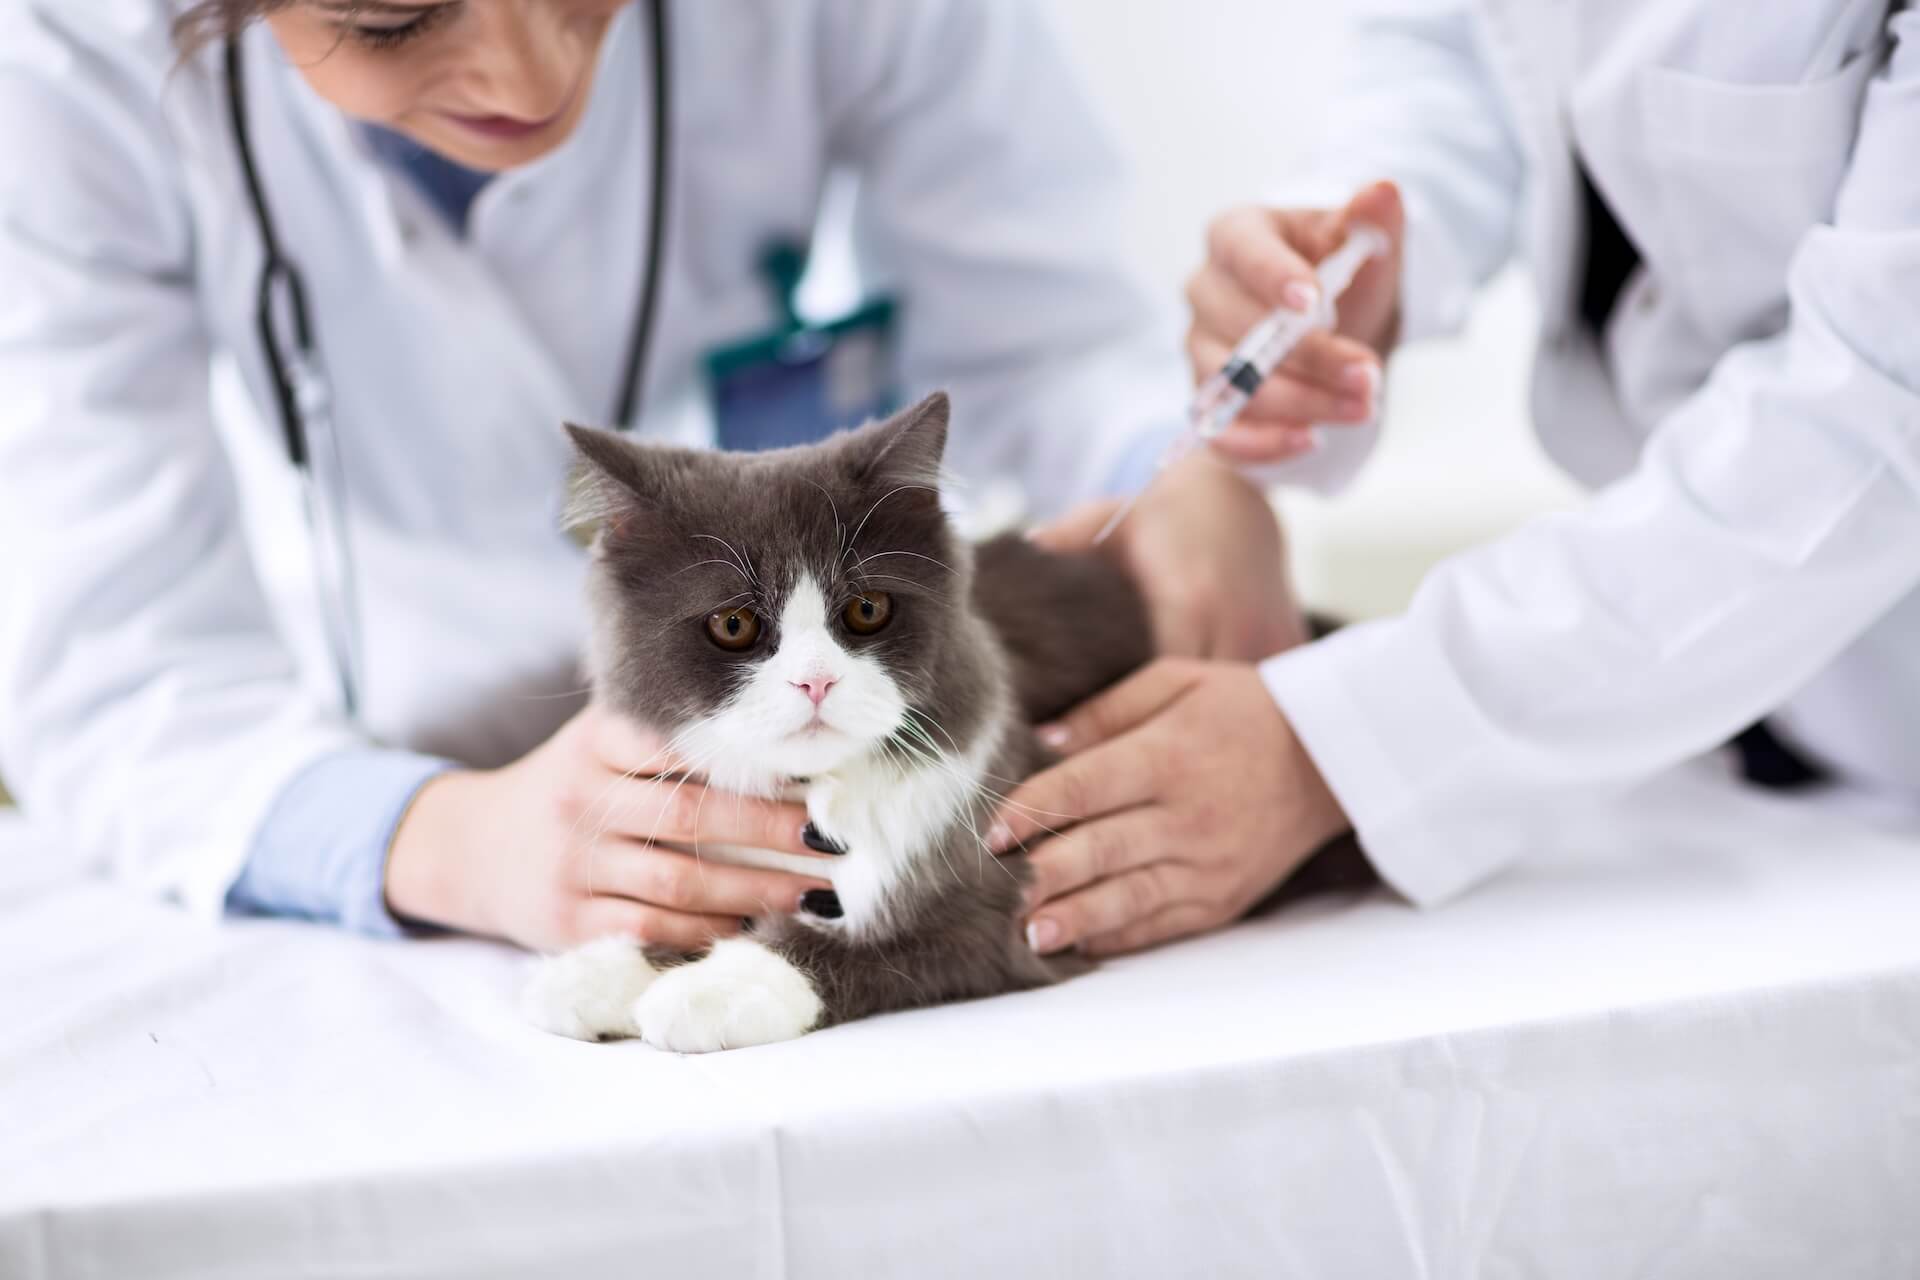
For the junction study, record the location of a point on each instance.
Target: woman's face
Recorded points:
(489, 84)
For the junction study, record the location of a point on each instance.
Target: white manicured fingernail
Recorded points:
(999, 837)
(1043, 936)
(1300, 295)
(1054, 737)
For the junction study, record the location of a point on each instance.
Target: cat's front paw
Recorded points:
(589, 993)
(740, 995)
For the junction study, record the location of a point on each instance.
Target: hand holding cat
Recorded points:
(1207, 552)
(1259, 259)
(559, 847)
(1195, 800)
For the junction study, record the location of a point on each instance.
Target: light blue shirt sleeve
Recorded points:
(322, 852)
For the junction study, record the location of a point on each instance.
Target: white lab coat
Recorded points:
(162, 673)
(1751, 418)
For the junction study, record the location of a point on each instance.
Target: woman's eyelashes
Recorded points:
(394, 28)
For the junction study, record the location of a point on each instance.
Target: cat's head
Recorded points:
(783, 614)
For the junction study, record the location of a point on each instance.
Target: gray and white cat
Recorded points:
(806, 621)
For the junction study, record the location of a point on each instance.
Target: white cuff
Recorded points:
(1310, 684)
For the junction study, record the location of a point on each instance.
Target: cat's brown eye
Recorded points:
(735, 630)
(869, 613)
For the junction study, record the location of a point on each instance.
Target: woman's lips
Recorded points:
(504, 128)
(512, 128)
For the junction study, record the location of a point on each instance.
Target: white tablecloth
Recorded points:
(1683, 1041)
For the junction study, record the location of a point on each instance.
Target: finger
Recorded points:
(691, 813)
(1342, 365)
(654, 926)
(685, 882)
(1095, 851)
(1123, 902)
(1221, 308)
(1378, 205)
(1332, 385)
(1249, 246)
(1313, 233)
(1264, 442)
(1076, 530)
(1125, 706)
(627, 746)
(1181, 920)
(1180, 630)
(1111, 777)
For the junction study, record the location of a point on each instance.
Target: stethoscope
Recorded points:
(303, 397)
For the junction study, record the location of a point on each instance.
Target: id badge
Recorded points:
(799, 383)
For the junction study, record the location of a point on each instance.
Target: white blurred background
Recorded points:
(1220, 109)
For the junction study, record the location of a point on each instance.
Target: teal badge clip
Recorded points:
(802, 382)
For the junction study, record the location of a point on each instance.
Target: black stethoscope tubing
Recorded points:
(279, 272)
(295, 396)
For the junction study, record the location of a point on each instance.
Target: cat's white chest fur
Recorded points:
(889, 819)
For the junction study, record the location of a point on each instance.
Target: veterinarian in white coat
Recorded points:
(1719, 204)
(167, 694)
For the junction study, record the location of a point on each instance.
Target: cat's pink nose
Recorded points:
(816, 687)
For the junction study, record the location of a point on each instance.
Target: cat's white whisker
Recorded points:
(839, 529)
(744, 565)
(887, 577)
(855, 539)
(719, 605)
(933, 758)
(725, 564)
(997, 794)
(882, 555)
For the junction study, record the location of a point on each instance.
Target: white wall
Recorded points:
(1215, 100)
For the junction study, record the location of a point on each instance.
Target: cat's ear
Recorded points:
(616, 480)
(907, 448)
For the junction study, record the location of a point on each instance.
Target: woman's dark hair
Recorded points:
(210, 20)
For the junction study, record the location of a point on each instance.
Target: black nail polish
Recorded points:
(824, 903)
(820, 842)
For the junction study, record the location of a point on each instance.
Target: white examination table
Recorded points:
(1682, 1041)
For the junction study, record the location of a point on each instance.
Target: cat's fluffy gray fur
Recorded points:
(985, 642)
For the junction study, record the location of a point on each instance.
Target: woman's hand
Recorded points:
(1259, 259)
(1206, 550)
(559, 848)
(1193, 801)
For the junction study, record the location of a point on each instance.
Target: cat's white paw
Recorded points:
(589, 993)
(740, 995)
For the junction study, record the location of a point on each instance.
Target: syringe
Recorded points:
(1221, 397)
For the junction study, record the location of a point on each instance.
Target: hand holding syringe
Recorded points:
(1221, 397)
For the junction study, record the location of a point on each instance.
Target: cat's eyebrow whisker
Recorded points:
(665, 627)
(839, 529)
(887, 577)
(728, 564)
(882, 555)
(744, 565)
(854, 540)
